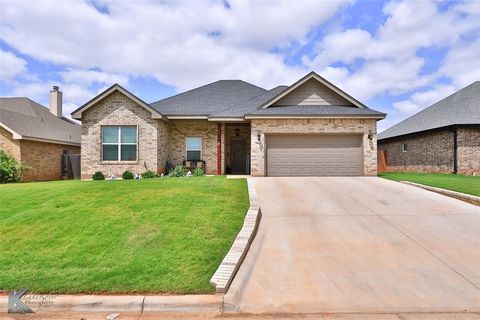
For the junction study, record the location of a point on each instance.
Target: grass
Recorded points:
(138, 236)
(454, 182)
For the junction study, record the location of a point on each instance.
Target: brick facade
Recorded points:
(42, 159)
(313, 126)
(179, 130)
(118, 109)
(468, 152)
(434, 152)
(161, 141)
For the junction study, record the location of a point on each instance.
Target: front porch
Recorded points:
(237, 148)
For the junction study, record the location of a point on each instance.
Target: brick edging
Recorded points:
(225, 273)
(454, 194)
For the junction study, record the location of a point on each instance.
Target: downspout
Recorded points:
(219, 148)
(455, 150)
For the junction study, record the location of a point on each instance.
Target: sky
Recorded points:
(395, 56)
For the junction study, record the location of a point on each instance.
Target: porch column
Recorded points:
(219, 148)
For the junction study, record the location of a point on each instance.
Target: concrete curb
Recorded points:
(225, 273)
(126, 304)
(454, 194)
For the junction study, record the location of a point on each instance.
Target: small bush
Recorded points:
(198, 172)
(10, 168)
(178, 171)
(149, 174)
(127, 175)
(98, 176)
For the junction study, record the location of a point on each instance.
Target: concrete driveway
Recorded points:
(359, 245)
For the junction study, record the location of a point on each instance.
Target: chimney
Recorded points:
(56, 101)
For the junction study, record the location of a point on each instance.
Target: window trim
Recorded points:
(404, 147)
(119, 144)
(186, 146)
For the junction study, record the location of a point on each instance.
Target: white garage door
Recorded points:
(314, 155)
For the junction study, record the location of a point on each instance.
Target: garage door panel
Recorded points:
(300, 155)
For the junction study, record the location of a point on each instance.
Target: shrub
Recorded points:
(198, 172)
(10, 168)
(178, 171)
(127, 175)
(149, 174)
(98, 176)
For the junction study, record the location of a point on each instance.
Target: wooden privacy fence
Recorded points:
(382, 161)
(70, 166)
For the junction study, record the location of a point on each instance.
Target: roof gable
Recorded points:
(313, 90)
(77, 114)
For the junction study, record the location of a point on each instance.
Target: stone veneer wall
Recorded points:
(427, 152)
(468, 152)
(179, 130)
(8, 144)
(43, 160)
(118, 109)
(313, 126)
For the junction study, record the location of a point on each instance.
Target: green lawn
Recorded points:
(154, 235)
(455, 182)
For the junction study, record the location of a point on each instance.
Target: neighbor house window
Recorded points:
(119, 143)
(404, 147)
(194, 148)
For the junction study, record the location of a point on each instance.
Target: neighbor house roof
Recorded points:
(28, 120)
(460, 108)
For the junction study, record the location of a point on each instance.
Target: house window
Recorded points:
(404, 147)
(119, 143)
(194, 148)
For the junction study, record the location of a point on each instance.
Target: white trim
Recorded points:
(119, 143)
(313, 75)
(50, 141)
(314, 116)
(187, 117)
(77, 114)
(13, 132)
(240, 119)
(201, 147)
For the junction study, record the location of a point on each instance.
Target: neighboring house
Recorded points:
(38, 136)
(310, 128)
(444, 137)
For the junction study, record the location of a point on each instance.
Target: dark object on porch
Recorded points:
(194, 164)
(70, 165)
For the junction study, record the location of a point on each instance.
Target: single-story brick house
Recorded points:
(443, 138)
(38, 136)
(309, 128)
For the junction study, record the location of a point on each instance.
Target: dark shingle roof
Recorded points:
(250, 105)
(30, 119)
(460, 108)
(208, 99)
(304, 110)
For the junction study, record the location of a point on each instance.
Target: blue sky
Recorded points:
(395, 56)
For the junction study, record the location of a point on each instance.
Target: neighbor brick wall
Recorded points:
(427, 152)
(179, 130)
(311, 126)
(43, 160)
(118, 109)
(468, 161)
(9, 144)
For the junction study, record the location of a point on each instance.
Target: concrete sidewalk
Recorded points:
(359, 245)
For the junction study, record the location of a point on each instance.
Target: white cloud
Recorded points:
(89, 77)
(169, 41)
(11, 66)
